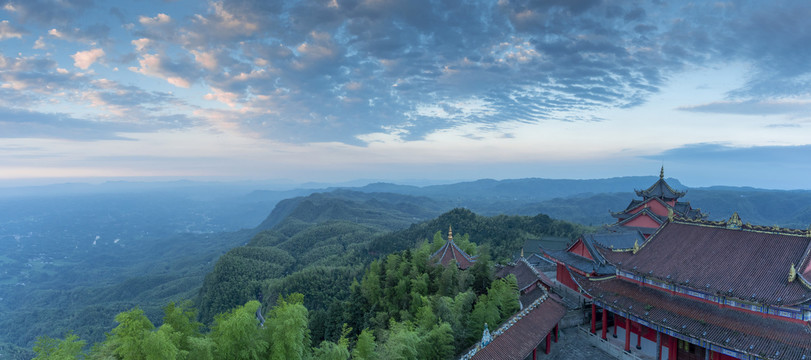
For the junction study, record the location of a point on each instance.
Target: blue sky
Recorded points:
(717, 92)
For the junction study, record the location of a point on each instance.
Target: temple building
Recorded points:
(451, 252)
(594, 254)
(533, 329)
(693, 288)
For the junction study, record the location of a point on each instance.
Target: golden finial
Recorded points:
(522, 253)
(450, 233)
(636, 246)
(662, 172)
(792, 273)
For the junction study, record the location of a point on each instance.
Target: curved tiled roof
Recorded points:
(658, 218)
(621, 239)
(585, 265)
(523, 332)
(451, 251)
(718, 258)
(660, 189)
(732, 329)
(525, 274)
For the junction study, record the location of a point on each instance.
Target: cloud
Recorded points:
(179, 73)
(8, 31)
(92, 34)
(106, 106)
(753, 107)
(159, 19)
(317, 70)
(47, 12)
(725, 154)
(83, 59)
(30, 124)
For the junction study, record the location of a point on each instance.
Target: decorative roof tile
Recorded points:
(660, 189)
(451, 252)
(525, 274)
(730, 328)
(523, 332)
(735, 262)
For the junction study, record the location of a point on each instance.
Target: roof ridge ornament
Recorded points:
(450, 232)
(662, 172)
(486, 336)
(734, 222)
(636, 246)
(792, 273)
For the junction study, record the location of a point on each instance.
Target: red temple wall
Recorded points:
(657, 208)
(565, 278)
(643, 221)
(653, 205)
(580, 249)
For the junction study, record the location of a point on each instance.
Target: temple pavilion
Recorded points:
(693, 288)
(452, 252)
(658, 202)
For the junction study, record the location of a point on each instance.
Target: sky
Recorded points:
(719, 93)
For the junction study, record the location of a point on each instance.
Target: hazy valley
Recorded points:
(74, 256)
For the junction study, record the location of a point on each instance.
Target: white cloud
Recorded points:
(39, 44)
(141, 43)
(207, 60)
(155, 65)
(56, 33)
(224, 97)
(178, 81)
(83, 59)
(7, 31)
(160, 19)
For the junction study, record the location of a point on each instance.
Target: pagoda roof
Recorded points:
(644, 230)
(656, 217)
(660, 189)
(599, 265)
(680, 208)
(523, 332)
(624, 238)
(740, 331)
(452, 252)
(525, 274)
(538, 261)
(728, 258)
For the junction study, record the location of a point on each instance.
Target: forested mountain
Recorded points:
(73, 256)
(317, 252)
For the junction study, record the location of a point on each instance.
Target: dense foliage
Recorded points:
(408, 307)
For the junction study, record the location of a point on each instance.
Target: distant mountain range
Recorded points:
(74, 250)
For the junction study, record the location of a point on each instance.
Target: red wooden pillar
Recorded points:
(535, 354)
(593, 318)
(605, 324)
(557, 331)
(673, 352)
(658, 345)
(548, 342)
(615, 325)
(639, 338)
(628, 334)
